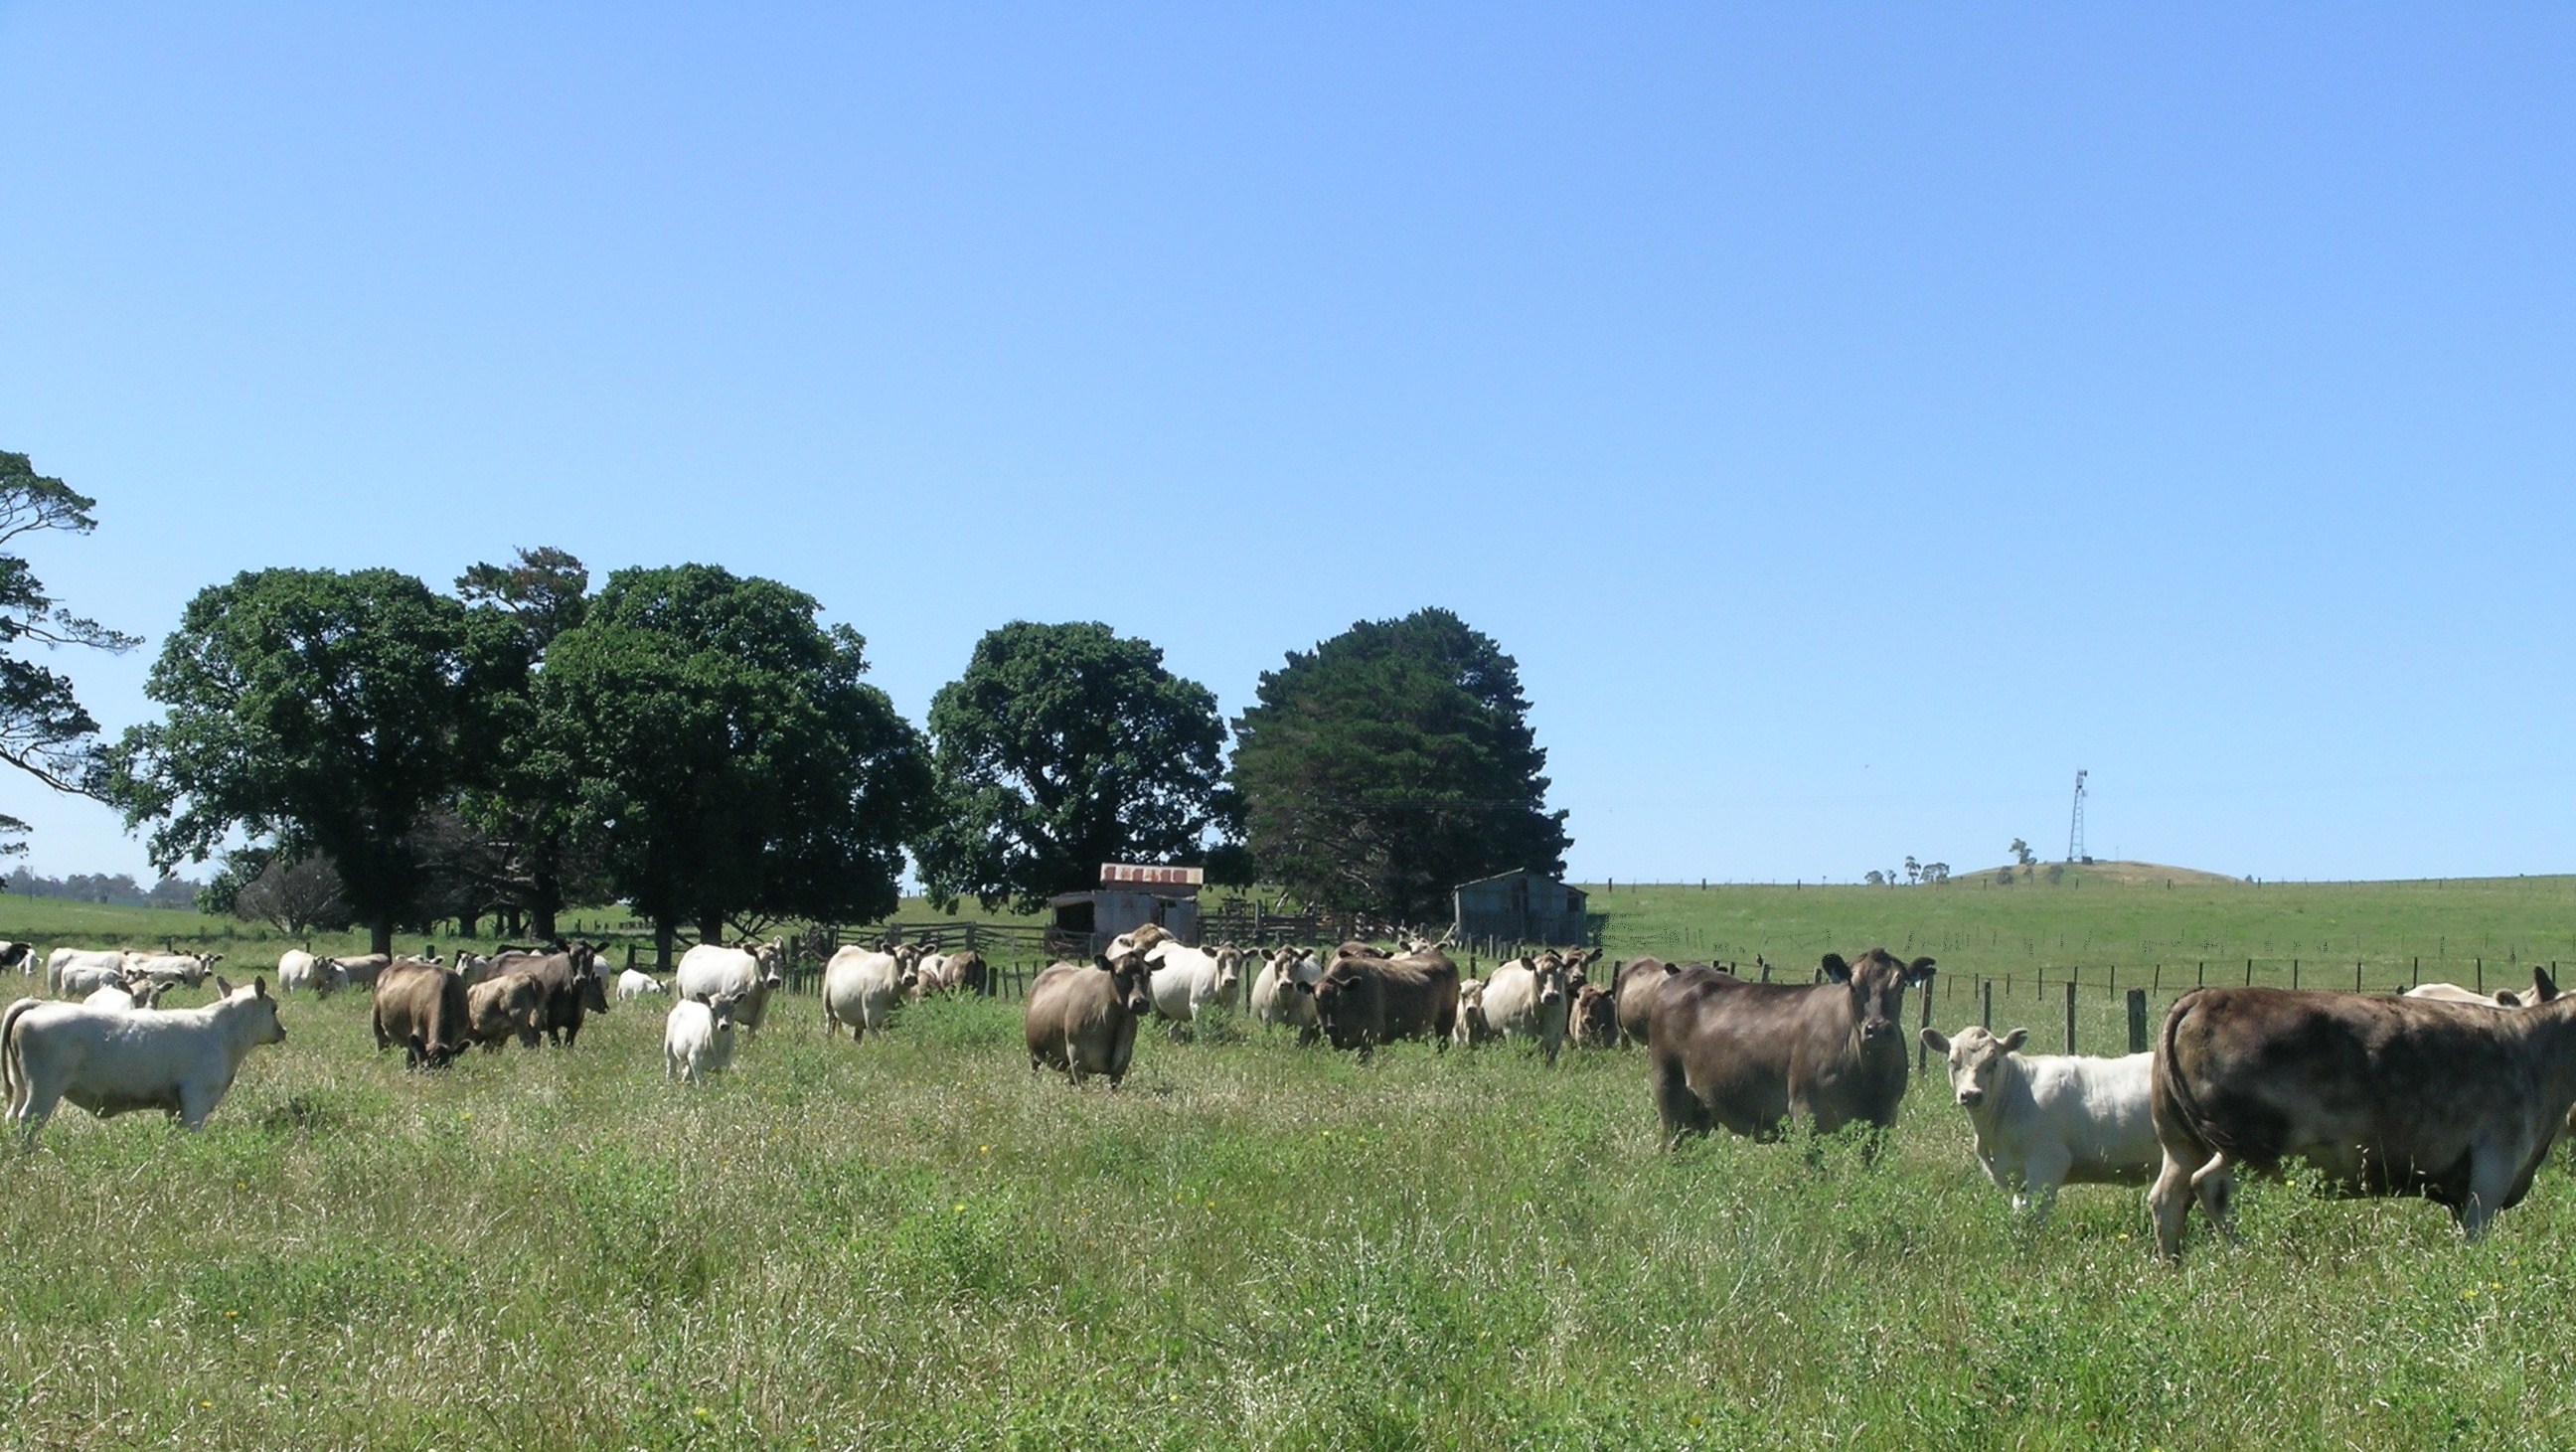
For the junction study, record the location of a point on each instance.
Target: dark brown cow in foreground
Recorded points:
(420, 1006)
(1081, 1017)
(1364, 1001)
(1751, 1055)
(2384, 1095)
(572, 988)
(1633, 990)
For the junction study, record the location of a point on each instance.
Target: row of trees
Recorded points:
(357, 746)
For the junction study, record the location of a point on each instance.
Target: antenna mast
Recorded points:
(2075, 827)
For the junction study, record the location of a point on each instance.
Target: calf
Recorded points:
(500, 1009)
(138, 991)
(2383, 1095)
(1471, 1028)
(1595, 1022)
(1081, 1017)
(636, 983)
(1283, 993)
(1753, 1055)
(2045, 1120)
(110, 1063)
(422, 1007)
(1366, 1001)
(697, 1037)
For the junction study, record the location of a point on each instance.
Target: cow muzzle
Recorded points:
(1971, 1098)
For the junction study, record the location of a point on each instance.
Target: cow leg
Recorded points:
(1679, 1109)
(2042, 1171)
(2170, 1203)
(196, 1101)
(2491, 1188)
(2215, 1186)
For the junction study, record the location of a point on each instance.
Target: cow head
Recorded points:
(587, 991)
(1976, 1056)
(721, 1009)
(1553, 984)
(1877, 985)
(1596, 1016)
(1229, 971)
(1575, 964)
(265, 1025)
(1131, 977)
(1342, 1005)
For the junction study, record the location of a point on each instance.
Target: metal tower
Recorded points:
(2075, 828)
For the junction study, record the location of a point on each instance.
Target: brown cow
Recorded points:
(422, 1007)
(967, 973)
(1750, 1055)
(1081, 1017)
(572, 988)
(510, 1005)
(1596, 1018)
(1633, 988)
(2384, 1095)
(1366, 1001)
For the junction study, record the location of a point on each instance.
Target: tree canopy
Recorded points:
(1063, 747)
(517, 838)
(729, 756)
(1392, 763)
(327, 711)
(44, 730)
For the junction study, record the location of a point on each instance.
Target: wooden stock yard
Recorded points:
(918, 1242)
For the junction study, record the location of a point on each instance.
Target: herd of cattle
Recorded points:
(2439, 1092)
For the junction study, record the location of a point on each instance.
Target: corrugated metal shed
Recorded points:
(1129, 897)
(1522, 907)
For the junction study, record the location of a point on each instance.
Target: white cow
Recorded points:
(297, 969)
(168, 968)
(929, 975)
(137, 991)
(1283, 992)
(474, 967)
(364, 968)
(2454, 993)
(697, 1037)
(2044, 1120)
(861, 985)
(1530, 998)
(750, 975)
(82, 978)
(64, 960)
(1188, 981)
(110, 1062)
(636, 983)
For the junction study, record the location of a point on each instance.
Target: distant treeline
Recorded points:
(116, 890)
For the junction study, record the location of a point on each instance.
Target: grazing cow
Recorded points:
(2454, 993)
(929, 975)
(1633, 989)
(80, 980)
(570, 980)
(168, 968)
(1531, 998)
(111, 1063)
(697, 1037)
(1283, 993)
(860, 988)
(297, 971)
(20, 956)
(363, 970)
(500, 1009)
(422, 1007)
(969, 974)
(1472, 1028)
(636, 983)
(1750, 1055)
(95, 969)
(1366, 1001)
(1595, 1022)
(749, 974)
(138, 991)
(1189, 981)
(1081, 1017)
(2045, 1120)
(2382, 1094)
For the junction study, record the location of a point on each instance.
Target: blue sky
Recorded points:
(1853, 419)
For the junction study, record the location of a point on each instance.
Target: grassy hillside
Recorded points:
(918, 1244)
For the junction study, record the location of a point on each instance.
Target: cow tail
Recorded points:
(13, 1068)
(2176, 1093)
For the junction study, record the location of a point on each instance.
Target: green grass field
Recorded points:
(917, 1243)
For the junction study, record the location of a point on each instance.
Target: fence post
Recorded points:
(2356, 977)
(1766, 971)
(2294, 975)
(1987, 985)
(2070, 1017)
(1922, 1050)
(2137, 1020)
(2482, 975)
(2249, 972)
(2415, 974)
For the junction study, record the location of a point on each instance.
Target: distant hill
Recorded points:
(2100, 874)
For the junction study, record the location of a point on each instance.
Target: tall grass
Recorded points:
(919, 1243)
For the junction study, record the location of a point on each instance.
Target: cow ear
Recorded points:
(1933, 1040)
(1920, 971)
(2543, 987)
(2013, 1041)
(259, 987)
(223, 988)
(1836, 969)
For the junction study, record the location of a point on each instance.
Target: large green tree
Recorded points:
(328, 712)
(1391, 763)
(520, 838)
(733, 762)
(44, 731)
(1063, 747)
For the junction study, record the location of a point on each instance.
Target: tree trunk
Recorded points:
(466, 922)
(543, 904)
(664, 926)
(380, 934)
(710, 927)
